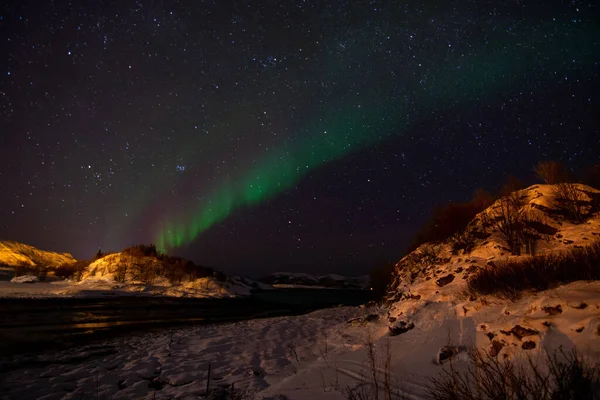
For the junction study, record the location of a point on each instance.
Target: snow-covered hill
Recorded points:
(14, 255)
(299, 279)
(430, 285)
(151, 275)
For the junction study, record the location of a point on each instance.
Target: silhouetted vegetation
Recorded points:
(509, 220)
(591, 176)
(452, 218)
(148, 264)
(552, 172)
(570, 200)
(381, 277)
(511, 184)
(539, 273)
(142, 250)
(72, 270)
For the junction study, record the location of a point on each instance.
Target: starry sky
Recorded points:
(257, 136)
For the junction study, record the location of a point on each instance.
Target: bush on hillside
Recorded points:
(511, 279)
(571, 201)
(509, 220)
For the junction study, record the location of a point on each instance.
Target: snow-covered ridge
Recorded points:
(300, 279)
(17, 254)
(14, 255)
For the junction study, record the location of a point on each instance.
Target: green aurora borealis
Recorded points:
(452, 82)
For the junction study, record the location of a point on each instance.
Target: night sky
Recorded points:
(259, 136)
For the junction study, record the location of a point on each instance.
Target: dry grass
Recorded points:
(538, 273)
(380, 383)
(559, 376)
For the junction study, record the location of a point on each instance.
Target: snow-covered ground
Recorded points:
(303, 357)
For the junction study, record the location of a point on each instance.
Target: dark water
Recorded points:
(29, 325)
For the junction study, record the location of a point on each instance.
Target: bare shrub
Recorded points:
(380, 382)
(561, 376)
(538, 273)
(571, 200)
(509, 219)
(462, 241)
(552, 172)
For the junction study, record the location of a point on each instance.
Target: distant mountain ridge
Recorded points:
(328, 280)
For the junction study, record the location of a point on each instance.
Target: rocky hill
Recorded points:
(524, 273)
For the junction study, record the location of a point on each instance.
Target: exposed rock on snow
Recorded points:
(401, 327)
(25, 279)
